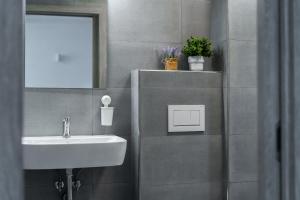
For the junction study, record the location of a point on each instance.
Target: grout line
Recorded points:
(93, 111)
(241, 87)
(145, 42)
(251, 181)
(181, 28)
(242, 40)
(178, 88)
(153, 43)
(244, 134)
(181, 183)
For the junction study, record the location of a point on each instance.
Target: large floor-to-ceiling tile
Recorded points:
(242, 158)
(243, 190)
(211, 191)
(171, 79)
(242, 110)
(242, 62)
(154, 108)
(127, 56)
(242, 19)
(145, 21)
(45, 110)
(117, 191)
(181, 159)
(219, 20)
(49, 2)
(196, 18)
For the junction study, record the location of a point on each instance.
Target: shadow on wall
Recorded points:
(218, 61)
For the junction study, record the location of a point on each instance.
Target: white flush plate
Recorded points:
(186, 118)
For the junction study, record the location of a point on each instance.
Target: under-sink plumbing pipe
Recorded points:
(68, 193)
(69, 183)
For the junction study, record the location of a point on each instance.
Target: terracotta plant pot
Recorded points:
(171, 64)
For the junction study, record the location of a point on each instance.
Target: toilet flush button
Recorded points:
(186, 118)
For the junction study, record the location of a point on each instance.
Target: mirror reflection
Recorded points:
(65, 47)
(59, 51)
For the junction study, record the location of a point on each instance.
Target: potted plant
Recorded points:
(195, 49)
(170, 57)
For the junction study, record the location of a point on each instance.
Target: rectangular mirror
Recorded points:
(65, 46)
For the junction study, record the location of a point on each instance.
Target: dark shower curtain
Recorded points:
(279, 99)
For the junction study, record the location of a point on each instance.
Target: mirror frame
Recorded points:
(99, 14)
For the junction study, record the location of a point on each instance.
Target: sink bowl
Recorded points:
(56, 152)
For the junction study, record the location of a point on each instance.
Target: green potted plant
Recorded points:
(195, 49)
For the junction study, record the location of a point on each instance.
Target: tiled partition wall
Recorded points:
(11, 97)
(136, 30)
(176, 166)
(234, 33)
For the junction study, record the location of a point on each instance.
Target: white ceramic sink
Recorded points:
(56, 152)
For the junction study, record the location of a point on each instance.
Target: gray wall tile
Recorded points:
(90, 1)
(219, 20)
(79, 108)
(115, 174)
(211, 191)
(98, 129)
(243, 158)
(130, 56)
(245, 191)
(45, 110)
(42, 178)
(145, 54)
(49, 2)
(195, 18)
(62, 2)
(243, 110)
(242, 18)
(135, 101)
(121, 101)
(85, 193)
(172, 166)
(146, 21)
(50, 193)
(117, 191)
(180, 79)
(122, 114)
(85, 175)
(43, 113)
(45, 193)
(154, 102)
(242, 62)
(233, 30)
(11, 103)
(220, 60)
(111, 175)
(181, 159)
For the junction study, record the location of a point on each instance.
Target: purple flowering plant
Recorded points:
(170, 53)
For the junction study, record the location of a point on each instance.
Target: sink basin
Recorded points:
(56, 152)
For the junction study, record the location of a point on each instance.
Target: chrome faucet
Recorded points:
(66, 124)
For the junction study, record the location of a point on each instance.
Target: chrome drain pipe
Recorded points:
(69, 174)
